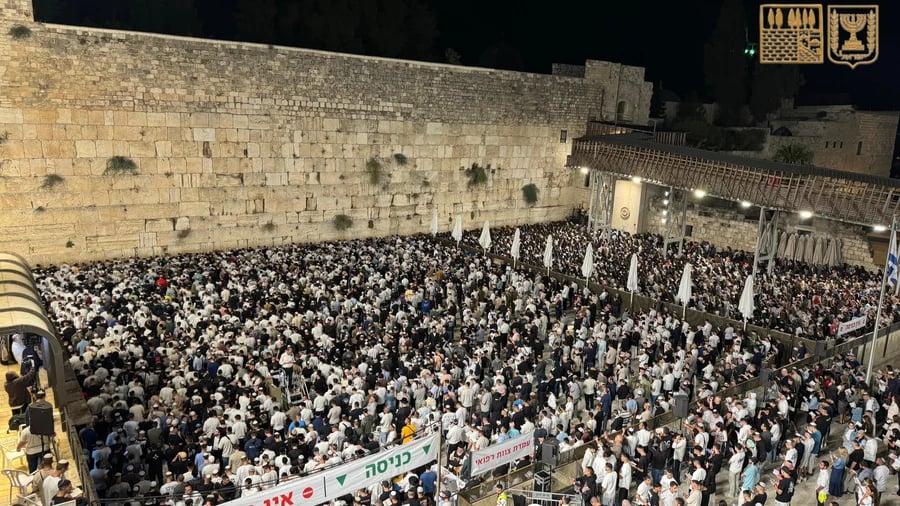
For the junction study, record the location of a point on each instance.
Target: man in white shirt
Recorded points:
(735, 466)
(608, 488)
(624, 478)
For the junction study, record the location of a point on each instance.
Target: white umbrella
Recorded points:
(632, 283)
(516, 244)
(587, 266)
(485, 239)
(819, 251)
(434, 223)
(745, 306)
(839, 252)
(764, 243)
(457, 229)
(684, 289)
(548, 253)
(810, 251)
(791, 247)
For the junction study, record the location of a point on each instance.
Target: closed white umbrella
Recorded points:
(764, 243)
(485, 239)
(782, 243)
(434, 223)
(587, 266)
(839, 250)
(685, 289)
(745, 305)
(819, 251)
(809, 254)
(457, 229)
(516, 244)
(801, 248)
(632, 283)
(791, 247)
(548, 253)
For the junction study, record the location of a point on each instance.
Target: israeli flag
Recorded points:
(892, 267)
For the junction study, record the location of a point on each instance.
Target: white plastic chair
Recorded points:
(17, 480)
(11, 455)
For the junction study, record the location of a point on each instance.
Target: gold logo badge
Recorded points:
(791, 33)
(852, 34)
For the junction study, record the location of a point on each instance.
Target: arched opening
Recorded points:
(623, 111)
(782, 132)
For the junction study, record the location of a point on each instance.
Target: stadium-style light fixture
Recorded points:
(665, 202)
(745, 204)
(665, 212)
(636, 180)
(806, 214)
(663, 221)
(584, 170)
(699, 193)
(879, 228)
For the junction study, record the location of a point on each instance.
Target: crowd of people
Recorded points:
(218, 375)
(797, 298)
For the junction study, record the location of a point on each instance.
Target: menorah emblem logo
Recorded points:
(852, 34)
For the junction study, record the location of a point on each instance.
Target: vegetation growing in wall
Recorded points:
(20, 32)
(371, 224)
(182, 234)
(51, 181)
(120, 165)
(375, 170)
(702, 135)
(70, 243)
(794, 153)
(530, 194)
(269, 227)
(3, 138)
(342, 222)
(477, 175)
(39, 209)
(400, 158)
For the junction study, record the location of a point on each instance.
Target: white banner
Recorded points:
(381, 466)
(347, 478)
(854, 324)
(309, 490)
(503, 453)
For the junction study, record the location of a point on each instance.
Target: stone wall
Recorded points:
(241, 145)
(730, 229)
(844, 139)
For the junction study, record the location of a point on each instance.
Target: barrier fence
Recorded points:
(482, 491)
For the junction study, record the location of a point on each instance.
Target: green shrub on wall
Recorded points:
(20, 32)
(477, 175)
(342, 222)
(530, 194)
(400, 158)
(374, 170)
(51, 181)
(119, 165)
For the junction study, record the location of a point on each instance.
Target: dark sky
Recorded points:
(664, 36)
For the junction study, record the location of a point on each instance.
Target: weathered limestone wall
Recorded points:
(242, 144)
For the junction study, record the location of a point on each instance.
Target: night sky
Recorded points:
(665, 37)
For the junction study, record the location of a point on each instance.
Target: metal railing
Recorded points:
(481, 491)
(80, 458)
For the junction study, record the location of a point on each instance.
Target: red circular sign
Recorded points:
(307, 492)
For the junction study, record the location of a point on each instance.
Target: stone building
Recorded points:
(238, 145)
(840, 137)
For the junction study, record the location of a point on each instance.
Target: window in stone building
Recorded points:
(859, 148)
(842, 145)
(563, 136)
(587, 181)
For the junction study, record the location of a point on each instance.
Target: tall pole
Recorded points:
(884, 278)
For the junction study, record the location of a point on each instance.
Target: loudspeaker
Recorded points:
(765, 377)
(40, 418)
(550, 452)
(680, 405)
(820, 349)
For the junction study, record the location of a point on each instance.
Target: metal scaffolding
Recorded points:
(676, 220)
(847, 197)
(603, 192)
(766, 240)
